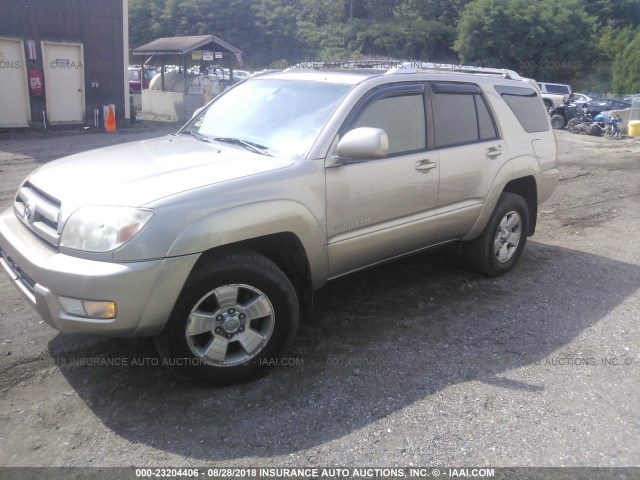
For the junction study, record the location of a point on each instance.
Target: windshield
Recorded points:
(276, 117)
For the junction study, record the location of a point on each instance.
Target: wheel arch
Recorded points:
(285, 250)
(526, 187)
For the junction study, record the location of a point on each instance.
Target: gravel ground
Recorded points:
(416, 362)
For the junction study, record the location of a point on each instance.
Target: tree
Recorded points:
(626, 68)
(144, 21)
(621, 13)
(547, 39)
(444, 11)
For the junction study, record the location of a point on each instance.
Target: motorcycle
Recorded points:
(612, 125)
(584, 123)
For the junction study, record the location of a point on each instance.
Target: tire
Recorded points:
(574, 125)
(499, 246)
(547, 103)
(235, 316)
(596, 131)
(558, 122)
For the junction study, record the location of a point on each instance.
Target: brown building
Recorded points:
(61, 60)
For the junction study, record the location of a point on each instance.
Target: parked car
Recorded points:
(580, 98)
(555, 93)
(606, 104)
(135, 75)
(241, 74)
(213, 240)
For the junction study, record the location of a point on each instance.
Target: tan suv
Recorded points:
(214, 239)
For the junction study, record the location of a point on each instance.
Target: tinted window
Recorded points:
(402, 117)
(526, 106)
(461, 118)
(559, 89)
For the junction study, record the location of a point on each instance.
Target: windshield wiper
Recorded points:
(199, 136)
(254, 147)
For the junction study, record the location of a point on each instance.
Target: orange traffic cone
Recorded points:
(110, 122)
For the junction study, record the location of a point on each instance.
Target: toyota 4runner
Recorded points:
(214, 239)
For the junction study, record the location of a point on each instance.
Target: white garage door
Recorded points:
(14, 96)
(64, 82)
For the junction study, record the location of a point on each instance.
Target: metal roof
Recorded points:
(183, 45)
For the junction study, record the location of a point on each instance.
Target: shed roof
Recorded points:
(183, 45)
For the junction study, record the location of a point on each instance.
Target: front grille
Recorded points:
(39, 212)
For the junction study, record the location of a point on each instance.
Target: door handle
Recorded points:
(425, 165)
(494, 152)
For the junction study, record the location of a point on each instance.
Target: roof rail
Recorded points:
(344, 65)
(415, 66)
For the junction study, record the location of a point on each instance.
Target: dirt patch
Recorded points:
(413, 362)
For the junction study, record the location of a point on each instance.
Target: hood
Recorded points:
(137, 173)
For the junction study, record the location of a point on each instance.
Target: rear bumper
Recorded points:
(546, 183)
(144, 292)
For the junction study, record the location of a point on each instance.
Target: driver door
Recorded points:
(377, 209)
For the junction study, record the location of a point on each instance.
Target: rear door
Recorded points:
(470, 151)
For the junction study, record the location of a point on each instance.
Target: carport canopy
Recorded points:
(182, 46)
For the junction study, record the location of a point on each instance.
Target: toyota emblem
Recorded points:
(28, 212)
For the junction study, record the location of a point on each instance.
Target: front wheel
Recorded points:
(497, 249)
(574, 125)
(236, 314)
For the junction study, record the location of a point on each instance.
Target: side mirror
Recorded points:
(364, 143)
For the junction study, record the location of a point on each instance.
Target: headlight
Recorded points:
(102, 229)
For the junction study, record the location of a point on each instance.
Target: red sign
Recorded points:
(36, 82)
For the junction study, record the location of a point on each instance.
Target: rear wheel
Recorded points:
(235, 315)
(499, 246)
(558, 122)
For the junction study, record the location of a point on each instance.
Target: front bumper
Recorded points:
(144, 292)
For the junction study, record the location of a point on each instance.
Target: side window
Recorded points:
(526, 106)
(460, 116)
(402, 117)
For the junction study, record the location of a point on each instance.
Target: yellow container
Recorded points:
(634, 128)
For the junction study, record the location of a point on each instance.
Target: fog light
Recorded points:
(88, 308)
(99, 309)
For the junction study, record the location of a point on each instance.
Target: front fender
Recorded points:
(256, 220)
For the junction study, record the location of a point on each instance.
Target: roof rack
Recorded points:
(345, 65)
(415, 66)
(396, 66)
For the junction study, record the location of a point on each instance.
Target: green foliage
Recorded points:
(626, 69)
(621, 13)
(548, 40)
(552, 40)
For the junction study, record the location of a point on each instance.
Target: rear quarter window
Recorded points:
(526, 106)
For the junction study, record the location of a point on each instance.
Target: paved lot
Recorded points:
(417, 362)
